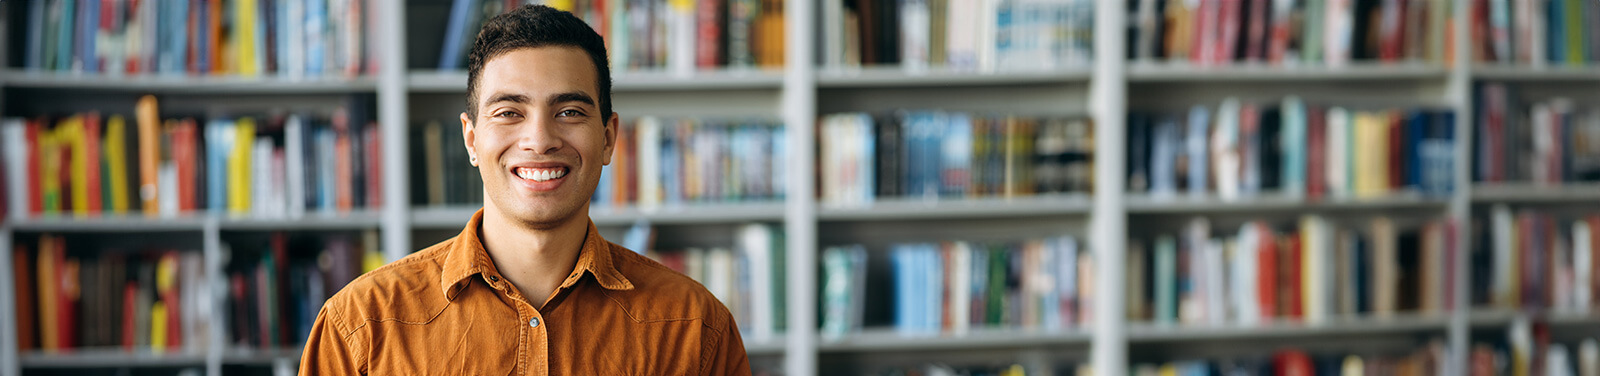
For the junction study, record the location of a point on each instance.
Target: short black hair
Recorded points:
(532, 26)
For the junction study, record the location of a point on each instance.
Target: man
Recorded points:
(529, 287)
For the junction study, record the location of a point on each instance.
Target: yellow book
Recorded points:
(149, 122)
(240, 166)
(74, 138)
(567, 5)
(49, 322)
(158, 327)
(371, 258)
(244, 37)
(1169, 369)
(50, 171)
(116, 157)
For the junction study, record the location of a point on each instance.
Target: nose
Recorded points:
(540, 135)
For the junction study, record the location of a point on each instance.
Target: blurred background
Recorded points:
(878, 187)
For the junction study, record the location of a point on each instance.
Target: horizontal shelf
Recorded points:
(109, 358)
(1499, 317)
(1362, 325)
(1575, 193)
(1154, 72)
(185, 84)
(891, 340)
(913, 208)
(1275, 202)
(260, 357)
(893, 76)
(771, 347)
(353, 220)
(1549, 73)
(457, 216)
(456, 81)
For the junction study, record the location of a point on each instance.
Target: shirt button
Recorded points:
(494, 278)
(534, 322)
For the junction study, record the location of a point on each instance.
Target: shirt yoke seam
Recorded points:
(638, 320)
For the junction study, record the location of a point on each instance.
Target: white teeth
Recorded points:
(540, 174)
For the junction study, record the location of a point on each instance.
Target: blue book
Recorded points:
(933, 288)
(1293, 139)
(175, 36)
(899, 264)
(64, 40)
(671, 167)
(1199, 132)
(316, 41)
(33, 58)
(955, 155)
(327, 157)
(450, 53)
(202, 37)
(1556, 34)
(602, 191)
(780, 153)
(1416, 131)
(88, 28)
(219, 142)
(1164, 144)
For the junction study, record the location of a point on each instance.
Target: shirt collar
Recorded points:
(467, 257)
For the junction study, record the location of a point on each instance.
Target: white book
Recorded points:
(1145, 21)
(1225, 149)
(293, 30)
(962, 40)
(294, 149)
(1505, 267)
(1244, 274)
(1334, 158)
(1582, 266)
(988, 32)
(1557, 362)
(960, 287)
(681, 36)
(1432, 289)
(13, 139)
(1337, 29)
(719, 276)
(756, 243)
(1215, 289)
(833, 45)
(167, 193)
(914, 29)
(649, 163)
(1589, 357)
(261, 178)
(1315, 246)
(1067, 279)
(1191, 305)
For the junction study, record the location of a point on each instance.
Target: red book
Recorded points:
(1493, 144)
(91, 145)
(108, 26)
(342, 170)
(214, 36)
(32, 128)
(1292, 363)
(1391, 29)
(708, 33)
(374, 168)
(1316, 153)
(1593, 221)
(1397, 160)
(67, 308)
(1278, 44)
(1289, 276)
(169, 297)
(1266, 272)
(130, 308)
(26, 326)
(192, 51)
(1229, 25)
(185, 158)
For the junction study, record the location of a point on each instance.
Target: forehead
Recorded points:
(539, 71)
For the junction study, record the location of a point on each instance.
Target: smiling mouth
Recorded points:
(541, 174)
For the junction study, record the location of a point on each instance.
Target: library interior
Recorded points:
(872, 187)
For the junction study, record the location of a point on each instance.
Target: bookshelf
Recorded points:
(1104, 89)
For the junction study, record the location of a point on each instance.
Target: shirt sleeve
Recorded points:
(329, 350)
(724, 353)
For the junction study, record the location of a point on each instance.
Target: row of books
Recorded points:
(1300, 149)
(290, 38)
(136, 299)
(1549, 141)
(1310, 273)
(680, 36)
(1536, 32)
(1536, 260)
(748, 276)
(280, 166)
(962, 35)
(276, 285)
(1295, 32)
(1528, 349)
(930, 154)
(1432, 359)
(953, 287)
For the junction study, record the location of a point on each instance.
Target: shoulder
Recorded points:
(662, 294)
(405, 290)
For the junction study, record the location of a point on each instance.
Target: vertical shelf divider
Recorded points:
(1107, 104)
(799, 101)
(392, 122)
(1459, 90)
(9, 356)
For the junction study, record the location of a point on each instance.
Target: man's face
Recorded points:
(538, 135)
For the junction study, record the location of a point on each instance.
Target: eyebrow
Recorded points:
(574, 96)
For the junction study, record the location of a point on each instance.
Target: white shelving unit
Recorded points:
(798, 94)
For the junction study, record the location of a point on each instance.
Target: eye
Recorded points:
(569, 113)
(507, 114)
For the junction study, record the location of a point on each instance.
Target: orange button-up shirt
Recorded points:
(446, 310)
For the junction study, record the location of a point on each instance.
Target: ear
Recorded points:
(612, 127)
(468, 135)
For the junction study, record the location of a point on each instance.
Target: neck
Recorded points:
(534, 259)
